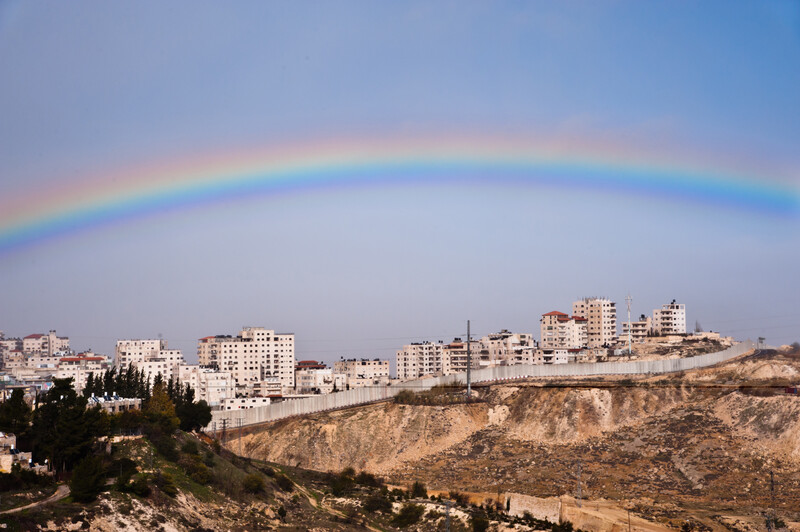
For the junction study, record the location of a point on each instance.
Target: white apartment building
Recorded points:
(503, 348)
(44, 344)
(150, 356)
(362, 369)
(639, 330)
(601, 316)
(251, 357)
(319, 381)
(8, 345)
(553, 355)
(363, 372)
(418, 359)
(560, 330)
(670, 319)
(80, 366)
(209, 385)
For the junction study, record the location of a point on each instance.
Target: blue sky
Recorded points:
(96, 86)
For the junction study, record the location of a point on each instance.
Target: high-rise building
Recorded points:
(418, 359)
(255, 355)
(670, 319)
(560, 330)
(601, 316)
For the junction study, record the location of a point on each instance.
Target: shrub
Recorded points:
(408, 515)
(341, 484)
(196, 469)
(208, 459)
(368, 479)
(459, 498)
(479, 523)
(282, 513)
(189, 447)
(284, 482)
(377, 503)
(418, 491)
(253, 483)
(139, 486)
(165, 484)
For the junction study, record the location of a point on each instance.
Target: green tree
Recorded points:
(418, 491)
(193, 416)
(15, 414)
(87, 480)
(64, 430)
(408, 515)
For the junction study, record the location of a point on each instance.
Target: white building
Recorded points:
(560, 330)
(251, 357)
(363, 372)
(210, 385)
(150, 356)
(319, 381)
(640, 329)
(44, 344)
(418, 359)
(601, 316)
(502, 348)
(670, 319)
(80, 366)
(553, 355)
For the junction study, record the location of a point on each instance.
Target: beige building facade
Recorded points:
(670, 319)
(251, 357)
(601, 316)
(560, 330)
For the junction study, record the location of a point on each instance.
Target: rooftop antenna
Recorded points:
(628, 300)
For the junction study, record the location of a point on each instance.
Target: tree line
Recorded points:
(131, 383)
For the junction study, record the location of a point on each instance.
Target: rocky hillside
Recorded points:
(699, 445)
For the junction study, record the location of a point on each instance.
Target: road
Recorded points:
(61, 492)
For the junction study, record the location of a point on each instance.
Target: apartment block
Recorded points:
(601, 316)
(562, 331)
(319, 381)
(362, 368)
(44, 344)
(79, 367)
(503, 348)
(640, 329)
(670, 319)
(209, 385)
(418, 359)
(150, 356)
(255, 355)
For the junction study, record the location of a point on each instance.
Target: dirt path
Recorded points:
(61, 492)
(319, 504)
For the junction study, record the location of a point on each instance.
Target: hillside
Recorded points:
(203, 487)
(696, 446)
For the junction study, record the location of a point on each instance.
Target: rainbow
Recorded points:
(203, 179)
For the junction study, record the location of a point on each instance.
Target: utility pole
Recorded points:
(241, 422)
(628, 300)
(469, 366)
(447, 504)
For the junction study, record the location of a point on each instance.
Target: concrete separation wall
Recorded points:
(548, 509)
(360, 396)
